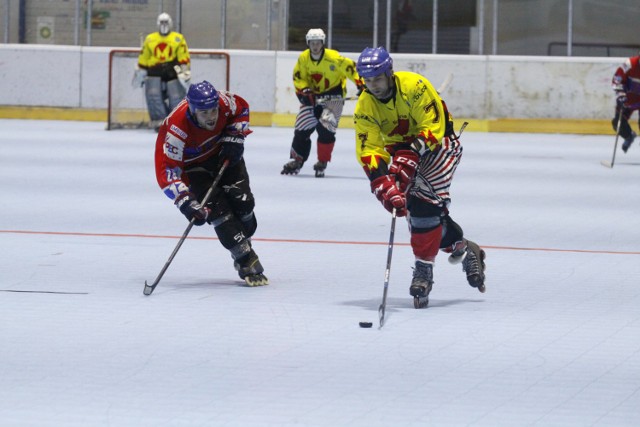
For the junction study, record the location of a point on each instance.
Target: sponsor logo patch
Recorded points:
(175, 129)
(173, 147)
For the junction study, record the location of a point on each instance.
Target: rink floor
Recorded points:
(555, 340)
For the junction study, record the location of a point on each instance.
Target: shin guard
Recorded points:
(324, 151)
(425, 244)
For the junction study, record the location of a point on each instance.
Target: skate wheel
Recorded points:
(420, 302)
(256, 280)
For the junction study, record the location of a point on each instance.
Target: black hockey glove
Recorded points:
(306, 97)
(192, 209)
(232, 148)
(621, 100)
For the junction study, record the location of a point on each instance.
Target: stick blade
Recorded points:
(606, 163)
(148, 289)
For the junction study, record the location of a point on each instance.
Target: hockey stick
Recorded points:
(445, 84)
(387, 272)
(148, 289)
(615, 145)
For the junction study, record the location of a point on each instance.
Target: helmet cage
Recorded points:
(165, 24)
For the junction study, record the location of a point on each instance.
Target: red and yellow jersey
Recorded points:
(181, 143)
(331, 71)
(416, 110)
(158, 49)
(627, 79)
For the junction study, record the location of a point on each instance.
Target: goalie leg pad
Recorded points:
(175, 93)
(155, 102)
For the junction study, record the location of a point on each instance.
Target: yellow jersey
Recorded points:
(158, 49)
(328, 74)
(414, 110)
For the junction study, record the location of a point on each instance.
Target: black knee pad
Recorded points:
(325, 135)
(241, 200)
(250, 223)
(451, 233)
(229, 230)
(423, 216)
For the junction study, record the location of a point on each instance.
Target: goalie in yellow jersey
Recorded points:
(406, 144)
(164, 69)
(320, 79)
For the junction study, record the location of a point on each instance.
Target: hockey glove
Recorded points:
(184, 75)
(621, 99)
(306, 97)
(138, 77)
(361, 87)
(403, 168)
(192, 209)
(387, 192)
(232, 148)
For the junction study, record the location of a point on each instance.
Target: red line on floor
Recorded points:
(332, 242)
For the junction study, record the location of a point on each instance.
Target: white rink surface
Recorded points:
(555, 340)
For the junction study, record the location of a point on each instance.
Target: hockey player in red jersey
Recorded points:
(626, 85)
(406, 144)
(206, 128)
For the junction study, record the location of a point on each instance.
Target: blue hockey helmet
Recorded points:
(374, 61)
(202, 96)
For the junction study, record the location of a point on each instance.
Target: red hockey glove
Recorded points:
(306, 97)
(387, 192)
(192, 209)
(403, 168)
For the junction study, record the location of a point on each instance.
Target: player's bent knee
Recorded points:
(451, 232)
(250, 223)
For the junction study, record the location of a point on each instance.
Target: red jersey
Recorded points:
(181, 143)
(627, 80)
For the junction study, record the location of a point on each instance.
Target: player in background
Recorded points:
(320, 80)
(626, 85)
(407, 146)
(206, 128)
(164, 69)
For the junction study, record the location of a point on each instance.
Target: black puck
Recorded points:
(366, 324)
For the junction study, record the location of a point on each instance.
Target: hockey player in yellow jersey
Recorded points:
(164, 69)
(406, 143)
(320, 80)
